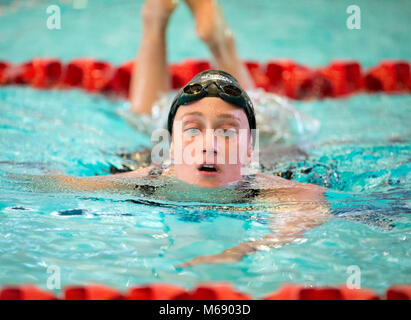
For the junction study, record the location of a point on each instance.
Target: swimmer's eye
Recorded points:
(192, 132)
(226, 133)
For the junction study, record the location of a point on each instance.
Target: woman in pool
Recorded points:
(205, 122)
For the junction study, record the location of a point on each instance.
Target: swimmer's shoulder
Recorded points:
(271, 181)
(276, 181)
(279, 189)
(112, 181)
(139, 173)
(150, 171)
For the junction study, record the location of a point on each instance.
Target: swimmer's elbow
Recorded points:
(83, 184)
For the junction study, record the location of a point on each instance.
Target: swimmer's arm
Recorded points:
(115, 181)
(289, 222)
(286, 225)
(86, 183)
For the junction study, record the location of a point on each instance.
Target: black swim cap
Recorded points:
(221, 79)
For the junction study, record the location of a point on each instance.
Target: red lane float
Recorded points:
(358, 294)
(40, 73)
(296, 292)
(204, 291)
(282, 74)
(4, 72)
(399, 292)
(297, 81)
(345, 77)
(91, 292)
(120, 83)
(390, 76)
(286, 77)
(89, 74)
(213, 291)
(261, 80)
(25, 292)
(156, 291)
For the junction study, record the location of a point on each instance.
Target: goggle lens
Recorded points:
(229, 89)
(193, 88)
(232, 90)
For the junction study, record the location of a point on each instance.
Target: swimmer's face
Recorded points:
(211, 143)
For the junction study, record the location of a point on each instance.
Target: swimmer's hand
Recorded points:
(231, 255)
(237, 253)
(303, 208)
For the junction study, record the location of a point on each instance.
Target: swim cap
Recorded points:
(213, 83)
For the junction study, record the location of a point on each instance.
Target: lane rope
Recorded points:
(205, 291)
(340, 78)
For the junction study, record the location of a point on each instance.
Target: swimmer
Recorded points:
(205, 121)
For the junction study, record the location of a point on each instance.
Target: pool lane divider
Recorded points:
(285, 77)
(203, 291)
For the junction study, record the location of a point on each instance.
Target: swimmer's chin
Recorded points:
(210, 184)
(203, 180)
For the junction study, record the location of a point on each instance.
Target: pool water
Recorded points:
(361, 152)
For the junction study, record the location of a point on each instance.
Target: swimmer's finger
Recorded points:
(181, 265)
(194, 262)
(188, 263)
(221, 258)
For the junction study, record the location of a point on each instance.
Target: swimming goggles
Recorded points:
(213, 88)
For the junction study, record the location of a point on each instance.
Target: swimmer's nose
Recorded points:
(210, 147)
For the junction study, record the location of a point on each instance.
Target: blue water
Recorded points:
(312, 32)
(361, 153)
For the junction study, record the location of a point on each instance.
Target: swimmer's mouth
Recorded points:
(208, 168)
